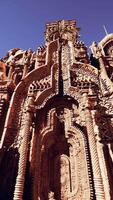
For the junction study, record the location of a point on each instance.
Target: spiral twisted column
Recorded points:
(98, 182)
(19, 186)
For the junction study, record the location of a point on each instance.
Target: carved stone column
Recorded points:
(19, 187)
(98, 183)
(100, 152)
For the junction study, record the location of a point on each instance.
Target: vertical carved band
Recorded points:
(98, 183)
(19, 187)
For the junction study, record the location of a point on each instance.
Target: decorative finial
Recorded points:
(105, 30)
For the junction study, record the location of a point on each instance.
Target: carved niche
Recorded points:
(61, 160)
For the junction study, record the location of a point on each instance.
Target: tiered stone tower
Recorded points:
(56, 119)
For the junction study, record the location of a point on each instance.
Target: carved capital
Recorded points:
(31, 104)
(88, 100)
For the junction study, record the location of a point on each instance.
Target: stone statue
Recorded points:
(96, 50)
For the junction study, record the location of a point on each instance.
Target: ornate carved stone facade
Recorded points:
(56, 114)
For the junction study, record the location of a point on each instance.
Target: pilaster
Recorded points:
(19, 187)
(98, 183)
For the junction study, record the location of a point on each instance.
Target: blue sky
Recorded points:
(22, 22)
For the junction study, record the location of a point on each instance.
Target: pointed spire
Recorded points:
(106, 32)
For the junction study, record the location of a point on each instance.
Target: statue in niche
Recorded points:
(62, 171)
(28, 56)
(40, 56)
